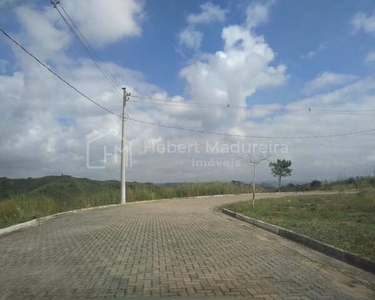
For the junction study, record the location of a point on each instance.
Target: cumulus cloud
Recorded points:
(209, 13)
(258, 13)
(61, 133)
(312, 158)
(231, 75)
(45, 33)
(50, 121)
(327, 80)
(190, 36)
(122, 19)
(45, 126)
(42, 35)
(363, 21)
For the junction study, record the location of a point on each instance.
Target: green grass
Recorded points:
(346, 221)
(26, 199)
(351, 183)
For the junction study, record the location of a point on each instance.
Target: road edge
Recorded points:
(38, 221)
(337, 253)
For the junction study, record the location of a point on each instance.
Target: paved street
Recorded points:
(177, 247)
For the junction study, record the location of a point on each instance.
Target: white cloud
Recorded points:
(89, 15)
(192, 38)
(312, 158)
(44, 125)
(370, 58)
(258, 13)
(243, 53)
(311, 54)
(41, 34)
(50, 122)
(45, 33)
(327, 80)
(210, 13)
(362, 21)
(233, 74)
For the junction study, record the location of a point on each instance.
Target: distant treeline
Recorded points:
(145, 191)
(357, 183)
(25, 199)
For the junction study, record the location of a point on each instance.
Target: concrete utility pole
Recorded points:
(123, 152)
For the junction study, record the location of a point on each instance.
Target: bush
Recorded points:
(8, 210)
(315, 184)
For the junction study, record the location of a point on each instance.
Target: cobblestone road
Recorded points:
(168, 248)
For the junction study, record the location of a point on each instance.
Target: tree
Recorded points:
(254, 161)
(281, 168)
(316, 184)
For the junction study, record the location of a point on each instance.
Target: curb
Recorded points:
(38, 221)
(348, 257)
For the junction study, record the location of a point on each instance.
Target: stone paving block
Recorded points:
(167, 248)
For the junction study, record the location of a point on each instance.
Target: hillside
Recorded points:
(58, 187)
(64, 187)
(25, 199)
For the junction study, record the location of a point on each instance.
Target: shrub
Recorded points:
(8, 210)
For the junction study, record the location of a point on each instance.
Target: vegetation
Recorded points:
(26, 199)
(254, 161)
(344, 220)
(281, 168)
(351, 183)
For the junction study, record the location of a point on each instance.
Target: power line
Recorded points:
(253, 136)
(86, 46)
(219, 106)
(88, 49)
(57, 75)
(210, 105)
(170, 104)
(176, 127)
(111, 80)
(164, 100)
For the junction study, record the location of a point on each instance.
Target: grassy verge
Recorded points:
(45, 196)
(25, 207)
(346, 221)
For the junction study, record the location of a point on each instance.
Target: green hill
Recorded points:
(26, 199)
(57, 187)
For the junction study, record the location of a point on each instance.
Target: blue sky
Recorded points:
(272, 54)
(294, 29)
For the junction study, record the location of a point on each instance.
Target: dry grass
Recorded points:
(343, 220)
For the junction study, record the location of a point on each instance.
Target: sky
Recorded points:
(286, 71)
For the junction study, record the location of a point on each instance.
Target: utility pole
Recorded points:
(123, 152)
(55, 2)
